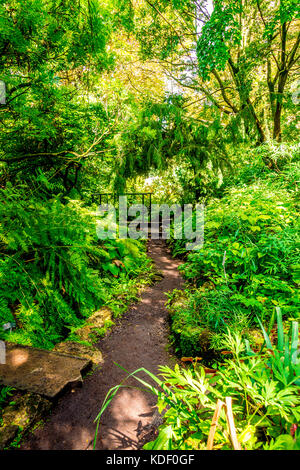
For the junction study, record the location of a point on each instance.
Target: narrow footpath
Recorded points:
(139, 340)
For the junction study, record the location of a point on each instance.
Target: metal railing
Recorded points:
(113, 197)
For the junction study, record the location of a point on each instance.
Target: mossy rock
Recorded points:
(100, 317)
(156, 276)
(7, 435)
(205, 341)
(255, 337)
(25, 410)
(188, 341)
(179, 302)
(195, 341)
(208, 285)
(21, 415)
(94, 323)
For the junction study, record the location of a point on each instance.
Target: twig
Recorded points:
(231, 425)
(210, 441)
(230, 420)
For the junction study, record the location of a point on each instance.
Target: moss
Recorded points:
(20, 415)
(80, 350)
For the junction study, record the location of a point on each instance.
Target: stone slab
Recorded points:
(39, 371)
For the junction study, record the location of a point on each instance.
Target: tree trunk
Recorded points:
(283, 73)
(278, 108)
(277, 123)
(245, 101)
(259, 128)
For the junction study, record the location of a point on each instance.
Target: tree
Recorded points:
(51, 53)
(233, 58)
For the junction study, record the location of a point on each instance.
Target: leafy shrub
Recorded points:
(5, 393)
(263, 387)
(197, 325)
(267, 161)
(53, 270)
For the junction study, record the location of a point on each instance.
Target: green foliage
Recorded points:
(5, 393)
(163, 136)
(196, 326)
(88, 109)
(287, 11)
(50, 55)
(284, 361)
(265, 407)
(54, 272)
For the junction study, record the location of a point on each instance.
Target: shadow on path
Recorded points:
(139, 340)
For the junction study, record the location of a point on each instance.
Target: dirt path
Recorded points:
(139, 339)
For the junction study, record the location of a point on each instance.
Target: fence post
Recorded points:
(2, 352)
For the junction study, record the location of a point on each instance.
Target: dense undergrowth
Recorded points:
(241, 301)
(249, 263)
(55, 272)
(100, 97)
(5, 393)
(235, 324)
(261, 390)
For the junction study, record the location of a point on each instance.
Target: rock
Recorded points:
(207, 286)
(20, 416)
(26, 410)
(7, 435)
(204, 340)
(255, 337)
(178, 302)
(97, 320)
(156, 277)
(84, 332)
(80, 350)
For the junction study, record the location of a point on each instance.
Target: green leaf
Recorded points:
(266, 337)
(294, 341)
(163, 441)
(280, 335)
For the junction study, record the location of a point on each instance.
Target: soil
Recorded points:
(140, 339)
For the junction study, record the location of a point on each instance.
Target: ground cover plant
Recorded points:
(250, 260)
(5, 393)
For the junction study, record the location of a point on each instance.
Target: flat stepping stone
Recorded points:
(39, 371)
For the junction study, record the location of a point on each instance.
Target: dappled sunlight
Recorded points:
(138, 341)
(128, 405)
(17, 357)
(130, 413)
(40, 371)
